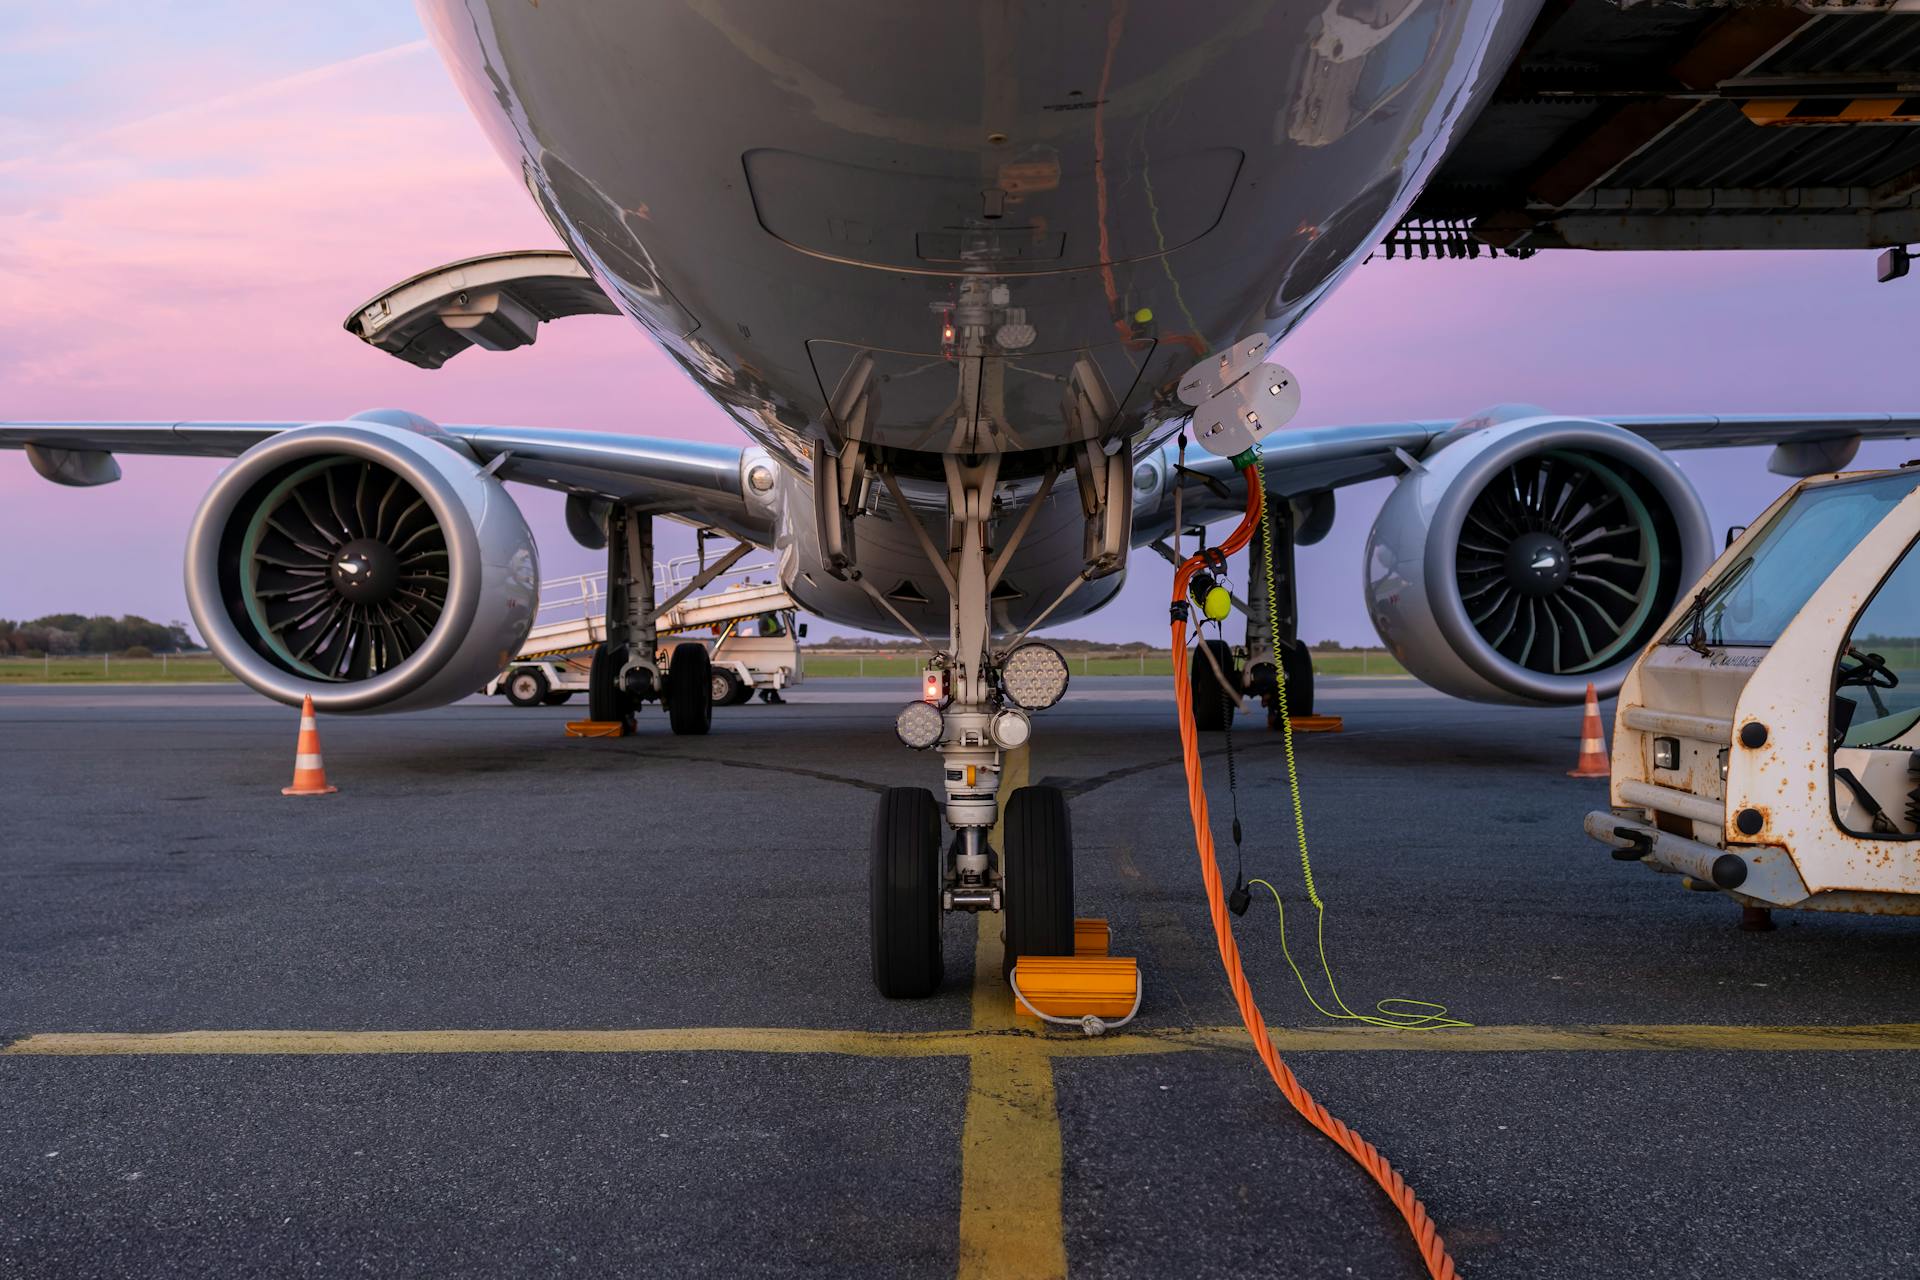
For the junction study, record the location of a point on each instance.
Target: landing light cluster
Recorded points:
(1034, 676)
(919, 725)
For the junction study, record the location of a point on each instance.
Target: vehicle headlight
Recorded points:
(919, 725)
(1034, 676)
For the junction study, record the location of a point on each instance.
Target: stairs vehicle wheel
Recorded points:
(527, 687)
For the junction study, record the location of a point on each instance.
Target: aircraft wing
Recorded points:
(1319, 459)
(695, 481)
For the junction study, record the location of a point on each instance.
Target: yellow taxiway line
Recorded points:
(984, 1039)
(1011, 1222)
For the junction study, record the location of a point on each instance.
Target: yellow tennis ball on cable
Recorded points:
(1218, 604)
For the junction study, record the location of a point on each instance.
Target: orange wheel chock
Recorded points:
(1075, 986)
(599, 728)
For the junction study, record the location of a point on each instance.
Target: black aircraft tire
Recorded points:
(1038, 863)
(1212, 707)
(1297, 665)
(903, 894)
(689, 691)
(527, 687)
(606, 700)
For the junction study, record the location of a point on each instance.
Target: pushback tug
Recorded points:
(1764, 745)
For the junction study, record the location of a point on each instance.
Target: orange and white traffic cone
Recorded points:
(309, 774)
(1593, 742)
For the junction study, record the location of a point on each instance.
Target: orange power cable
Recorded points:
(1433, 1250)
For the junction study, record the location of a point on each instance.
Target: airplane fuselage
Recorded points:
(985, 229)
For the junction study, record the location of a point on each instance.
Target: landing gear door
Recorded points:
(496, 303)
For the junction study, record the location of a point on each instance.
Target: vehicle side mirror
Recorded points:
(1733, 533)
(801, 631)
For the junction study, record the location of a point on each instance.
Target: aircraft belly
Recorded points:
(986, 203)
(891, 559)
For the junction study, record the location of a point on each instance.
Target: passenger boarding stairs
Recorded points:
(573, 611)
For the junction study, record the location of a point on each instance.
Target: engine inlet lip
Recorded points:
(1516, 440)
(405, 453)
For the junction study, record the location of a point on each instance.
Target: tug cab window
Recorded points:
(1876, 710)
(1877, 678)
(1762, 590)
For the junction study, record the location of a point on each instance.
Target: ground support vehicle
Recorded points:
(1764, 745)
(749, 630)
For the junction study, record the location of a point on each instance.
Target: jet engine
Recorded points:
(1521, 560)
(370, 564)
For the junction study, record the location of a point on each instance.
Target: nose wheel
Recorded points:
(1039, 874)
(904, 894)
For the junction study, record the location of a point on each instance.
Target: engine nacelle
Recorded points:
(1527, 558)
(370, 564)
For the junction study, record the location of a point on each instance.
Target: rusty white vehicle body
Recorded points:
(1764, 746)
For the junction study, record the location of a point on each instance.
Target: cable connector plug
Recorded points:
(1240, 899)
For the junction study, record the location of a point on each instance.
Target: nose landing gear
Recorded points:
(977, 697)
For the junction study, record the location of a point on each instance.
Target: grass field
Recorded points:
(110, 670)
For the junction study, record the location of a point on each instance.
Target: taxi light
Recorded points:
(1034, 676)
(919, 725)
(1010, 728)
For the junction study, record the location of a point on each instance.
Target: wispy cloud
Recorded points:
(297, 84)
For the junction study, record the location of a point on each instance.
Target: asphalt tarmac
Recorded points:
(1628, 1101)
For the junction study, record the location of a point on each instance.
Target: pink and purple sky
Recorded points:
(193, 197)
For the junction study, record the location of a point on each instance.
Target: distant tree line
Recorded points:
(74, 633)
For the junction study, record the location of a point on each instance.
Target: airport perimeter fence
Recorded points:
(111, 668)
(183, 668)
